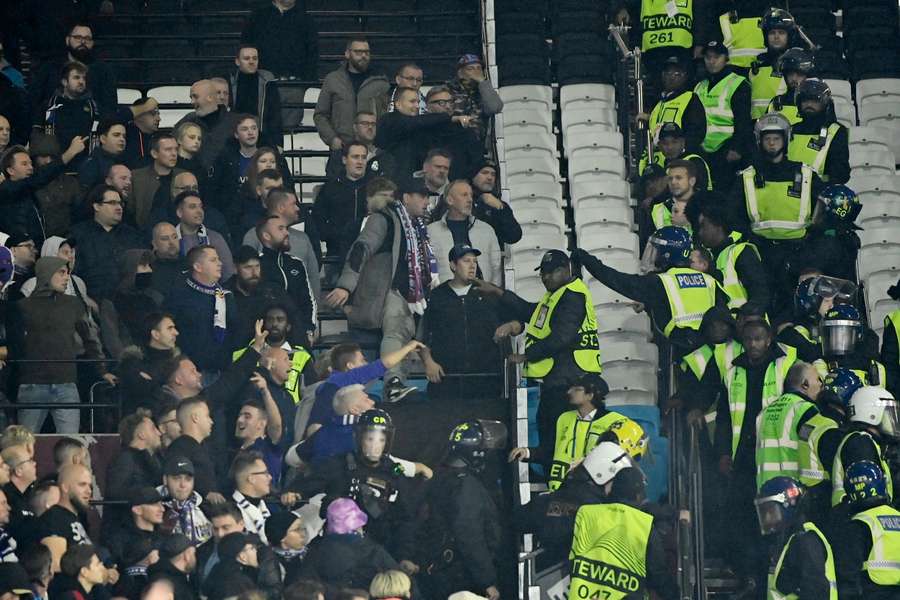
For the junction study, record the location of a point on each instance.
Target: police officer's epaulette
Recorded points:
(754, 67)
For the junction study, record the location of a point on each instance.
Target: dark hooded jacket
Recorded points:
(122, 316)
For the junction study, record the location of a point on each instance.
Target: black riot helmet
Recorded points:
(470, 442)
(373, 435)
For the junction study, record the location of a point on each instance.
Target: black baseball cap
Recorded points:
(552, 260)
(174, 545)
(716, 46)
(14, 579)
(460, 250)
(670, 130)
(413, 185)
(144, 495)
(178, 465)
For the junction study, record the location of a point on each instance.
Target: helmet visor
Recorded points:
(373, 444)
(832, 287)
(771, 514)
(494, 434)
(890, 419)
(839, 337)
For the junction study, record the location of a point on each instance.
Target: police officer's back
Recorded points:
(676, 296)
(466, 538)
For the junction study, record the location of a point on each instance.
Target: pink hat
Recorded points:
(344, 516)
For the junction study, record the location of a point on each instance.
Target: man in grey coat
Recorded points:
(346, 91)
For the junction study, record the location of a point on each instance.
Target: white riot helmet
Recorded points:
(874, 405)
(605, 461)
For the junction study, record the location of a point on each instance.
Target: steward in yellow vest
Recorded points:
(778, 427)
(561, 342)
(738, 264)
(795, 66)
(667, 24)
(803, 566)
(818, 140)
(779, 31)
(616, 549)
(671, 147)
(872, 538)
(890, 346)
(725, 96)
(676, 296)
(678, 104)
(579, 431)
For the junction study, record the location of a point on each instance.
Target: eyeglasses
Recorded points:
(82, 38)
(166, 422)
(24, 462)
(447, 102)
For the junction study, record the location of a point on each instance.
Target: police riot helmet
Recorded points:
(865, 485)
(873, 405)
(672, 246)
(470, 442)
(772, 123)
(777, 18)
(812, 291)
(631, 437)
(839, 386)
(605, 461)
(813, 88)
(778, 505)
(373, 435)
(797, 60)
(841, 330)
(840, 203)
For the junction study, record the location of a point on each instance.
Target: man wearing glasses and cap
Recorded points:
(561, 341)
(473, 94)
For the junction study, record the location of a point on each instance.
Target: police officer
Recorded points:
(738, 263)
(779, 29)
(375, 481)
(795, 65)
(776, 196)
(675, 296)
(671, 146)
(725, 96)
(561, 341)
(873, 424)
(832, 241)
(739, 23)
(778, 438)
(824, 430)
(466, 520)
(678, 104)
(617, 550)
(890, 344)
(818, 140)
(804, 568)
(578, 431)
(847, 343)
(870, 543)
(813, 298)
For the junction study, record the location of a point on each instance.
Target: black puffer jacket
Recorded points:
(346, 561)
(18, 205)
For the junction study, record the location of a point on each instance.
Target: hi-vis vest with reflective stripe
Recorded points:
(883, 563)
(690, 293)
(777, 441)
(586, 350)
(670, 111)
(812, 149)
(837, 471)
(735, 380)
(780, 210)
(791, 112)
(830, 573)
(743, 39)
(726, 263)
(299, 358)
(661, 215)
(893, 318)
(717, 104)
(812, 472)
(609, 552)
(765, 84)
(667, 23)
(865, 377)
(574, 439)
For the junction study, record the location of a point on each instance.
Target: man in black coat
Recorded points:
(490, 208)
(340, 205)
(287, 39)
(177, 563)
(287, 272)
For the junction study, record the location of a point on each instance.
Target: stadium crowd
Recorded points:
(261, 460)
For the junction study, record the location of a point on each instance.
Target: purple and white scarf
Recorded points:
(420, 259)
(219, 314)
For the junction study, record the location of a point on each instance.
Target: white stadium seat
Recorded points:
(840, 89)
(606, 140)
(589, 115)
(879, 237)
(873, 161)
(599, 189)
(526, 117)
(874, 137)
(871, 221)
(874, 206)
(516, 140)
(622, 319)
(877, 183)
(307, 140)
(541, 215)
(547, 191)
(519, 95)
(878, 90)
(528, 170)
(530, 287)
(169, 117)
(127, 96)
(581, 94)
(609, 211)
(592, 166)
(171, 94)
(879, 257)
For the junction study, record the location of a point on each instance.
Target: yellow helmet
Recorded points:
(631, 437)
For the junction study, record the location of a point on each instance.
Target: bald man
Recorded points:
(213, 118)
(60, 527)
